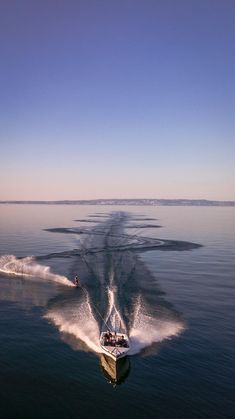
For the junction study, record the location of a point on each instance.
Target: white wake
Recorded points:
(27, 267)
(77, 320)
(147, 329)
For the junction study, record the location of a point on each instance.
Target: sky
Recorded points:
(117, 99)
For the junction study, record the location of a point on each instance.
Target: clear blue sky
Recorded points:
(117, 99)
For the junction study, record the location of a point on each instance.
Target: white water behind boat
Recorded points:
(77, 319)
(28, 268)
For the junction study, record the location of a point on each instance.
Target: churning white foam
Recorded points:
(114, 318)
(77, 319)
(27, 267)
(147, 329)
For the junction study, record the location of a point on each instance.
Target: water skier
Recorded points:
(76, 281)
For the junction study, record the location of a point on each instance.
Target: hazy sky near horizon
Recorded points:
(117, 99)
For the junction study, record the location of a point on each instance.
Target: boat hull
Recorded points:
(116, 371)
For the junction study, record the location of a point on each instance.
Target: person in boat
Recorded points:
(122, 341)
(108, 336)
(76, 281)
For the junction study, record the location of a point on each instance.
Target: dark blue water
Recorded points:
(175, 298)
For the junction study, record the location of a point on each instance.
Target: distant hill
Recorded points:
(139, 202)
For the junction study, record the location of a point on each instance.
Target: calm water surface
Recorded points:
(177, 304)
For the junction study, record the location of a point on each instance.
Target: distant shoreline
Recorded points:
(132, 202)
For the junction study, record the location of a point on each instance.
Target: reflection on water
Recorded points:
(116, 372)
(25, 292)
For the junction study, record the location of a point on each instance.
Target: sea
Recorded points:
(167, 275)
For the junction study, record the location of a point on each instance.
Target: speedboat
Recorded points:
(115, 344)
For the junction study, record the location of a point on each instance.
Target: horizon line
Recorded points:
(147, 201)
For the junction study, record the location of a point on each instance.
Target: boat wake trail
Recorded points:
(118, 292)
(79, 326)
(76, 323)
(113, 320)
(29, 268)
(148, 329)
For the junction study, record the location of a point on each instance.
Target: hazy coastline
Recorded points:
(139, 202)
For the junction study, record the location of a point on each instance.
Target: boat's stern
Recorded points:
(116, 345)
